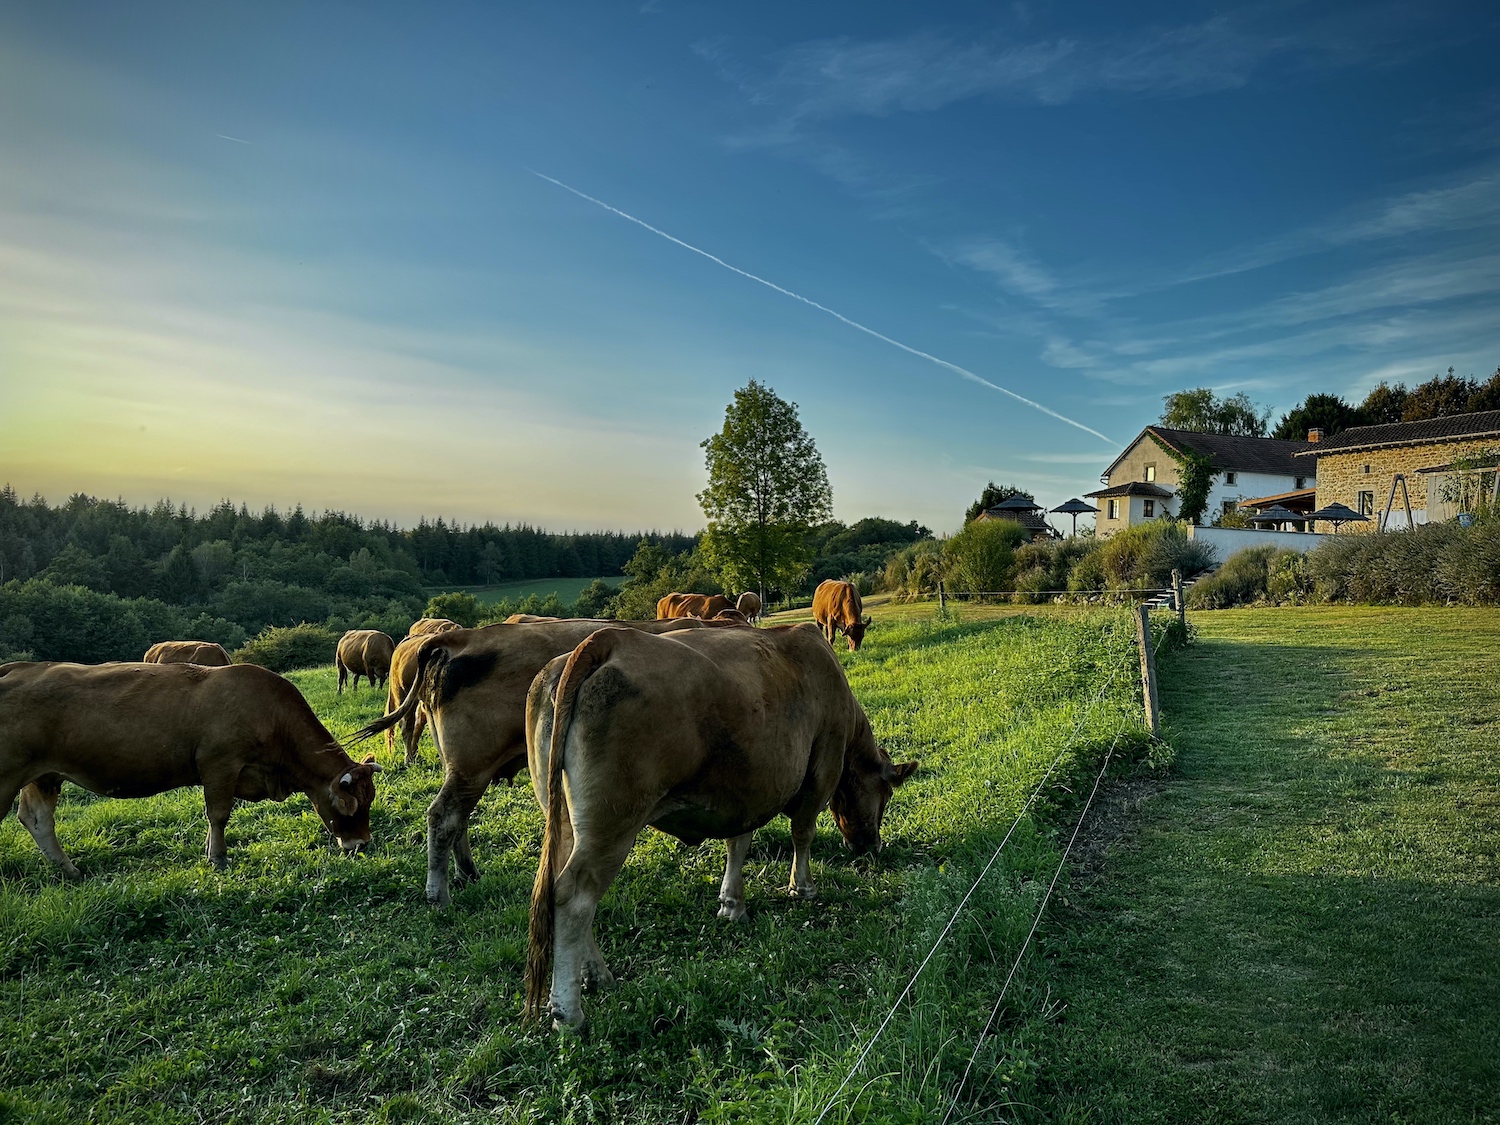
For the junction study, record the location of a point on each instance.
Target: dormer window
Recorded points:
(1150, 471)
(1231, 478)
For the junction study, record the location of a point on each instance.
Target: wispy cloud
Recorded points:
(962, 372)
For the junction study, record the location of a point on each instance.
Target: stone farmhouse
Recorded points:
(1380, 471)
(1142, 482)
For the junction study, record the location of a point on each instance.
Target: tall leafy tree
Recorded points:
(1385, 404)
(767, 487)
(1330, 413)
(1204, 412)
(1440, 396)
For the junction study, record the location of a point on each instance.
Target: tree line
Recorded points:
(1200, 410)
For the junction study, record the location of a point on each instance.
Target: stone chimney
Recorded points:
(1315, 434)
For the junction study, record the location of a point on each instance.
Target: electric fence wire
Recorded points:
(1067, 745)
(1025, 945)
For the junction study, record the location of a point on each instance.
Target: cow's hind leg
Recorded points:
(576, 958)
(447, 825)
(411, 731)
(37, 813)
(732, 890)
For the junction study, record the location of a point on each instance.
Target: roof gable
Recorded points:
(1227, 452)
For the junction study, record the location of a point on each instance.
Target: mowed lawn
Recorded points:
(303, 986)
(1304, 926)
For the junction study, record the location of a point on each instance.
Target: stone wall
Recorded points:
(1146, 452)
(1343, 476)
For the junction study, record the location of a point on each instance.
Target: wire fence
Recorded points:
(1036, 921)
(1067, 745)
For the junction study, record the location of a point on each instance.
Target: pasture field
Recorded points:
(566, 589)
(1305, 924)
(304, 987)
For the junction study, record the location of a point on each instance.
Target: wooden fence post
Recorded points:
(942, 598)
(1178, 602)
(1148, 669)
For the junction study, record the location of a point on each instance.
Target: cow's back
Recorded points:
(134, 729)
(207, 653)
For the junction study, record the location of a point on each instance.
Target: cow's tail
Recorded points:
(581, 663)
(431, 660)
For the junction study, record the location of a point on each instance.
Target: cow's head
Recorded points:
(345, 804)
(868, 780)
(856, 633)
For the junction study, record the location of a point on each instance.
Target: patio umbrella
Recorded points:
(1338, 514)
(1276, 514)
(1017, 504)
(1075, 508)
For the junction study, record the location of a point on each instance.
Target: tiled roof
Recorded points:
(1229, 452)
(1454, 427)
(1034, 520)
(1132, 488)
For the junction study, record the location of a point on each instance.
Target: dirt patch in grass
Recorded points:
(1118, 810)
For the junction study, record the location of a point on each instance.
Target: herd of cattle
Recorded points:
(694, 723)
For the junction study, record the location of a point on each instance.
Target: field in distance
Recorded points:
(566, 589)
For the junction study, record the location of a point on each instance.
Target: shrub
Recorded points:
(465, 609)
(1045, 566)
(1442, 563)
(982, 557)
(1247, 577)
(74, 623)
(1143, 557)
(287, 648)
(913, 571)
(862, 580)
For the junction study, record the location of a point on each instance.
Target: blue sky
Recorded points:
(299, 253)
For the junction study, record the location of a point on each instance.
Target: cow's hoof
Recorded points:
(806, 892)
(68, 871)
(218, 863)
(578, 1025)
(731, 910)
(597, 977)
(438, 897)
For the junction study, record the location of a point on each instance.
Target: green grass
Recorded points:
(566, 589)
(300, 986)
(1305, 926)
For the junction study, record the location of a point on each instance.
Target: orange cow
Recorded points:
(837, 609)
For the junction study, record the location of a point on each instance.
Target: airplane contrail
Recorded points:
(955, 368)
(227, 137)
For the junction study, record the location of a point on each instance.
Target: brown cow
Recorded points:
(837, 609)
(749, 604)
(367, 653)
(530, 619)
(691, 605)
(707, 734)
(732, 616)
(207, 653)
(133, 730)
(424, 625)
(472, 684)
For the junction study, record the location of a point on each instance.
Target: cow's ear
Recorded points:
(868, 621)
(373, 764)
(894, 774)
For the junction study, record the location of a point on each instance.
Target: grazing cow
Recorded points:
(837, 609)
(705, 734)
(749, 604)
(424, 625)
(691, 605)
(528, 619)
(367, 653)
(731, 615)
(206, 653)
(472, 684)
(133, 730)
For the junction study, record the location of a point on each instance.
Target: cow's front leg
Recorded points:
(218, 803)
(732, 890)
(37, 813)
(804, 828)
(447, 824)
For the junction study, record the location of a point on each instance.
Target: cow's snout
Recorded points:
(352, 846)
